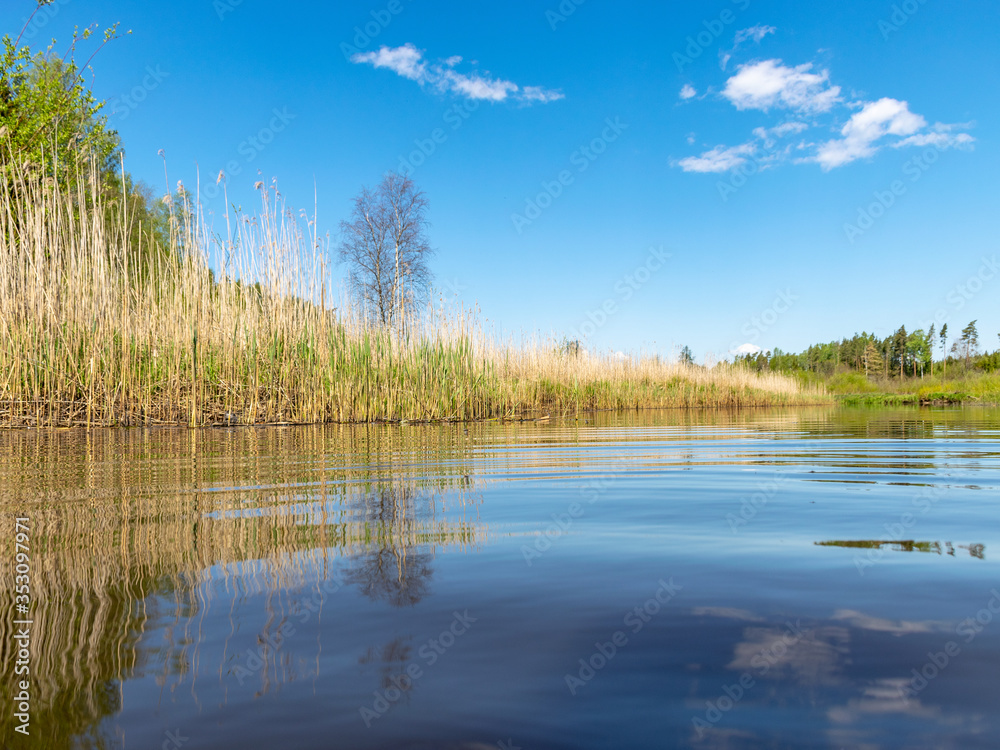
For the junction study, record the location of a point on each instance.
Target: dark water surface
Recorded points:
(810, 578)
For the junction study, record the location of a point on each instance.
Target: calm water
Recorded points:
(809, 578)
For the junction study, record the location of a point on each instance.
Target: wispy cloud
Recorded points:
(409, 62)
(763, 149)
(688, 92)
(719, 159)
(938, 139)
(539, 94)
(756, 33)
(770, 135)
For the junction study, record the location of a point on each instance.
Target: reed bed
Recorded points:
(248, 329)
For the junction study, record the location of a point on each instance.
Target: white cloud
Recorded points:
(814, 103)
(688, 92)
(770, 83)
(747, 349)
(476, 86)
(719, 159)
(408, 62)
(862, 132)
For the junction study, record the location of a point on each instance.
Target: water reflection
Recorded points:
(908, 545)
(236, 582)
(829, 672)
(133, 531)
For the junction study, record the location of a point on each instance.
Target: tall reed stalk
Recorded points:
(243, 331)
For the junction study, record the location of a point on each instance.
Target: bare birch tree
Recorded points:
(385, 247)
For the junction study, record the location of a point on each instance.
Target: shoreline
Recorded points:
(835, 402)
(527, 416)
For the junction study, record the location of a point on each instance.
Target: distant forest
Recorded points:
(900, 355)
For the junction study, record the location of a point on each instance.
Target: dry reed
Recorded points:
(243, 331)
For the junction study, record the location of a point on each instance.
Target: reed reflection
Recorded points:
(140, 538)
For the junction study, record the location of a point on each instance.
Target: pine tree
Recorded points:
(931, 334)
(899, 342)
(872, 358)
(969, 341)
(944, 348)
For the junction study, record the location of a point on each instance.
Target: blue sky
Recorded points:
(714, 174)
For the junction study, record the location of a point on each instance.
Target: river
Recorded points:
(780, 578)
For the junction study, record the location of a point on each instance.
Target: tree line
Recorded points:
(900, 355)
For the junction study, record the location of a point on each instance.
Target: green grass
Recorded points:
(854, 389)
